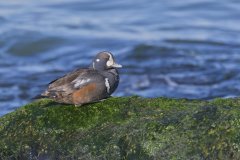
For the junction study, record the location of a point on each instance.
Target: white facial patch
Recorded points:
(110, 61)
(97, 60)
(80, 82)
(107, 85)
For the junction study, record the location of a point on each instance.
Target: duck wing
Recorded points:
(77, 84)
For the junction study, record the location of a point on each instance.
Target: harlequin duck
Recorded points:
(86, 85)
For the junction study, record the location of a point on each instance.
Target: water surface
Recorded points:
(177, 49)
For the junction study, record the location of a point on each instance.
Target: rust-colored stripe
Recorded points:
(84, 94)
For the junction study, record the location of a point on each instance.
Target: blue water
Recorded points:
(180, 49)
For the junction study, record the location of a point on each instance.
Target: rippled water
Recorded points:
(187, 49)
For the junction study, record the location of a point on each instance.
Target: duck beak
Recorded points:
(115, 65)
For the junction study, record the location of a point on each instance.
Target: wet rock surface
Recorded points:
(123, 128)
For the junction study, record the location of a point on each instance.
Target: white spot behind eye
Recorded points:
(97, 60)
(107, 85)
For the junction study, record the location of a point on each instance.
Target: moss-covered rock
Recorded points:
(123, 128)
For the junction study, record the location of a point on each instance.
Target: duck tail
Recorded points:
(40, 96)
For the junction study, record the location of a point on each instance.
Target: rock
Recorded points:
(123, 128)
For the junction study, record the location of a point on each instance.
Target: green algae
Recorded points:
(123, 128)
